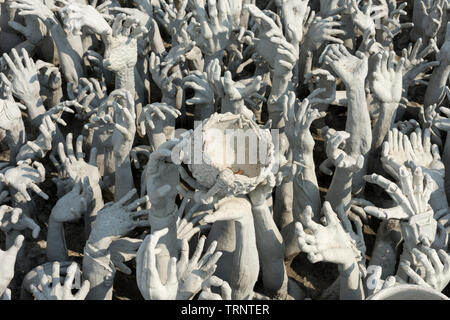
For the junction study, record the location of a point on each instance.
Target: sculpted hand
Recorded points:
(386, 78)
(437, 268)
(15, 219)
(393, 25)
(73, 164)
(298, 122)
(121, 45)
(427, 18)
(24, 82)
(147, 275)
(330, 242)
(212, 31)
(56, 291)
(338, 156)
(25, 177)
(193, 272)
(415, 65)
(116, 219)
(73, 204)
(350, 69)
(411, 195)
(225, 289)
(271, 44)
(77, 15)
(156, 114)
(123, 250)
(321, 31)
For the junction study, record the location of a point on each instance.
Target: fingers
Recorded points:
(405, 266)
(127, 197)
(306, 219)
(70, 276)
(56, 279)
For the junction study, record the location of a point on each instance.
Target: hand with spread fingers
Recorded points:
(54, 290)
(25, 175)
(436, 264)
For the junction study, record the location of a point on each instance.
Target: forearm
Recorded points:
(56, 241)
(359, 127)
(306, 189)
(99, 270)
(89, 217)
(274, 107)
(71, 62)
(358, 121)
(271, 252)
(351, 286)
(168, 244)
(125, 79)
(340, 190)
(35, 109)
(305, 61)
(436, 85)
(384, 124)
(16, 138)
(123, 177)
(245, 261)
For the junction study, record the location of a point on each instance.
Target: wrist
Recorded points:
(99, 242)
(346, 268)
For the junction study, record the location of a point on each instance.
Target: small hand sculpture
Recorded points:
(411, 197)
(121, 45)
(351, 69)
(293, 14)
(193, 272)
(322, 79)
(415, 64)
(73, 163)
(329, 243)
(147, 275)
(271, 44)
(56, 291)
(212, 34)
(437, 268)
(207, 294)
(77, 15)
(172, 18)
(338, 156)
(15, 219)
(24, 82)
(157, 113)
(73, 204)
(298, 123)
(393, 26)
(116, 219)
(321, 31)
(387, 75)
(427, 18)
(415, 152)
(25, 176)
(364, 20)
